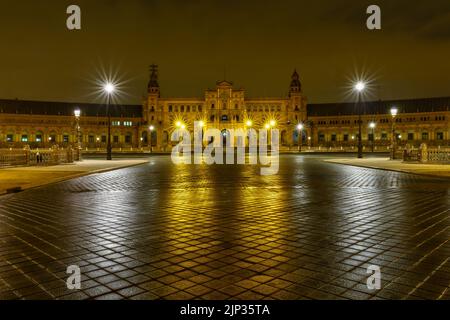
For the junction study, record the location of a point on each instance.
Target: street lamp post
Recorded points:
(151, 128)
(300, 136)
(248, 125)
(109, 89)
(77, 114)
(372, 126)
(360, 86)
(269, 126)
(394, 112)
(201, 124)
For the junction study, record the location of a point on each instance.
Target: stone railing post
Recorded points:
(407, 152)
(423, 152)
(27, 151)
(69, 152)
(54, 154)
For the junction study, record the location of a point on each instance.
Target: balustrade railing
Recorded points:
(425, 155)
(37, 157)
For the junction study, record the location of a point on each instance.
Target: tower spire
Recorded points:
(296, 85)
(153, 85)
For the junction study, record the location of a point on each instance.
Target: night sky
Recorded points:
(256, 44)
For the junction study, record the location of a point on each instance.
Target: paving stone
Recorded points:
(160, 231)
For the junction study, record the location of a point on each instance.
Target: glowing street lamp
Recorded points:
(249, 123)
(394, 112)
(300, 128)
(359, 87)
(109, 89)
(273, 123)
(372, 126)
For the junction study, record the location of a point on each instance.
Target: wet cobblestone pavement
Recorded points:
(226, 232)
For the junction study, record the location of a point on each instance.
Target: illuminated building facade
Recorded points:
(135, 128)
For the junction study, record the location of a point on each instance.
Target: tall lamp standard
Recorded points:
(151, 128)
(359, 87)
(372, 126)
(77, 114)
(394, 112)
(109, 90)
(300, 136)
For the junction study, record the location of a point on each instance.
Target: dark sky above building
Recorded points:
(256, 43)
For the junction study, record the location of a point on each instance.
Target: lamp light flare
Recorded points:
(77, 113)
(109, 88)
(273, 123)
(372, 125)
(152, 128)
(360, 86)
(249, 123)
(300, 127)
